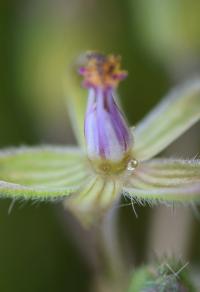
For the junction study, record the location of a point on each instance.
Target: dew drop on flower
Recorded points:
(132, 164)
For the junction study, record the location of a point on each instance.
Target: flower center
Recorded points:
(102, 71)
(108, 167)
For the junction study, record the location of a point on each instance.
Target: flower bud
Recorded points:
(108, 137)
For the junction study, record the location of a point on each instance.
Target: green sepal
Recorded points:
(46, 172)
(76, 99)
(165, 180)
(175, 114)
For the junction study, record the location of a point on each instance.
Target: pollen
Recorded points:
(102, 71)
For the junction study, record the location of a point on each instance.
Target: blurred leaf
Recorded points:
(76, 98)
(170, 29)
(171, 118)
(166, 180)
(38, 250)
(41, 172)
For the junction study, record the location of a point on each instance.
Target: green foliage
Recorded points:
(171, 118)
(170, 29)
(76, 98)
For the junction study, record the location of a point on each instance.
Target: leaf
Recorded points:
(171, 118)
(76, 98)
(41, 172)
(167, 180)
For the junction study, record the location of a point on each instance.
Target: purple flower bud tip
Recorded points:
(108, 137)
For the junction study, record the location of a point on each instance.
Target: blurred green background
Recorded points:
(160, 46)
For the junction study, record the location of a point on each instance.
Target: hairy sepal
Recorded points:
(43, 173)
(175, 114)
(165, 180)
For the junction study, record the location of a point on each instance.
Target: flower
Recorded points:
(108, 138)
(118, 159)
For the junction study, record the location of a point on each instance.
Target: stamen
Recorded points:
(102, 71)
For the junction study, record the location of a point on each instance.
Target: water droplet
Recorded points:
(132, 164)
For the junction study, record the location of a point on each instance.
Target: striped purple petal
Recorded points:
(106, 132)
